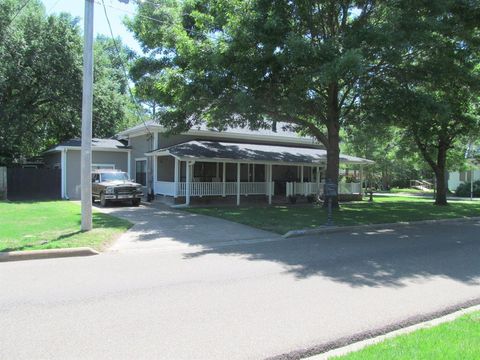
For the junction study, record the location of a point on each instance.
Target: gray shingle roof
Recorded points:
(283, 130)
(253, 152)
(96, 143)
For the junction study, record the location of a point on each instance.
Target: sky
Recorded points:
(116, 13)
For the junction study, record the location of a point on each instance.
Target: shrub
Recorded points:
(463, 190)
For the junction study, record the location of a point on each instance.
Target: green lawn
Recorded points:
(53, 224)
(390, 209)
(410, 191)
(458, 339)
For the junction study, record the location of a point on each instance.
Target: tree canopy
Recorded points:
(41, 81)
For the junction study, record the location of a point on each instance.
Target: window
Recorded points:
(141, 172)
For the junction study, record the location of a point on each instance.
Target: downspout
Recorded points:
(63, 173)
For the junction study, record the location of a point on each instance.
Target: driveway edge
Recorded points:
(336, 229)
(407, 330)
(46, 254)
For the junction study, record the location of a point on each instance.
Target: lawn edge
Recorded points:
(319, 352)
(357, 346)
(46, 254)
(336, 229)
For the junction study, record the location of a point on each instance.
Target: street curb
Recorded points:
(336, 229)
(357, 346)
(46, 254)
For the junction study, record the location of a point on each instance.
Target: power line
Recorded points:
(17, 13)
(53, 6)
(124, 68)
(131, 12)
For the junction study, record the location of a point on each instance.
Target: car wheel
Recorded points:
(103, 201)
(136, 202)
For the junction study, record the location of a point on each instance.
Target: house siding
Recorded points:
(117, 158)
(455, 179)
(140, 145)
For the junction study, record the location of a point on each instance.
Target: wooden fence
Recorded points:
(30, 183)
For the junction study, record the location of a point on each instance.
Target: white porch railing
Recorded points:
(212, 188)
(308, 188)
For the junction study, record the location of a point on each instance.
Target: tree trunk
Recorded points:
(333, 148)
(441, 176)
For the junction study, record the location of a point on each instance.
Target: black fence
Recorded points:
(33, 184)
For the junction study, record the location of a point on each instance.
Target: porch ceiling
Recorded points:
(238, 152)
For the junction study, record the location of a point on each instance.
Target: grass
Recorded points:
(281, 219)
(458, 339)
(53, 224)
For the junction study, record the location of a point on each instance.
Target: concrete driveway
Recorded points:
(245, 301)
(160, 227)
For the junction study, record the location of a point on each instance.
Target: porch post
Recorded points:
(301, 174)
(253, 177)
(217, 172)
(223, 179)
(318, 178)
(175, 178)
(270, 184)
(361, 180)
(155, 173)
(187, 189)
(238, 184)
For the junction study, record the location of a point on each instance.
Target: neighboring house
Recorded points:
(106, 153)
(203, 162)
(456, 178)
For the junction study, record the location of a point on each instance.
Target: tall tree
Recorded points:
(431, 88)
(41, 81)
(257, 62)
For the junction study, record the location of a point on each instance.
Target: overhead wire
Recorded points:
(124, 68)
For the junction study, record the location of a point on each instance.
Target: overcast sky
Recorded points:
(116, 12)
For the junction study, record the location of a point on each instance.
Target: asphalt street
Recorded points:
(287, 298)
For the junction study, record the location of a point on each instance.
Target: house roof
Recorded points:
(104, 144)
(283, 132)
(223, 151)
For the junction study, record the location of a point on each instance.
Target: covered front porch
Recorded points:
(212, 169)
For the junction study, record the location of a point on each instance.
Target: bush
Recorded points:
(463, 190)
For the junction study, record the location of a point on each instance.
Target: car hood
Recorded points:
(120, 183)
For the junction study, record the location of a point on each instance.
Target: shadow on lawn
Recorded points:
(33, 246)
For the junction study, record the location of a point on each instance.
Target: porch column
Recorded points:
(318, 178)
(224, 185)
(155, 174)
(253, 176)
(175, 178)
(238, 184)
(301, 174)
(361, 180)
(217, 172)
(187, 189)
(270, 184)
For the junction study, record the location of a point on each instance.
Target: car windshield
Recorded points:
(114, 176)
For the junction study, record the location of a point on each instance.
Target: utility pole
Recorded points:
(87, 105)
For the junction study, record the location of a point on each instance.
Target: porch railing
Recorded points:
(212, 188)
(308, 188)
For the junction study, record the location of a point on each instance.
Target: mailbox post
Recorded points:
(330, 191)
